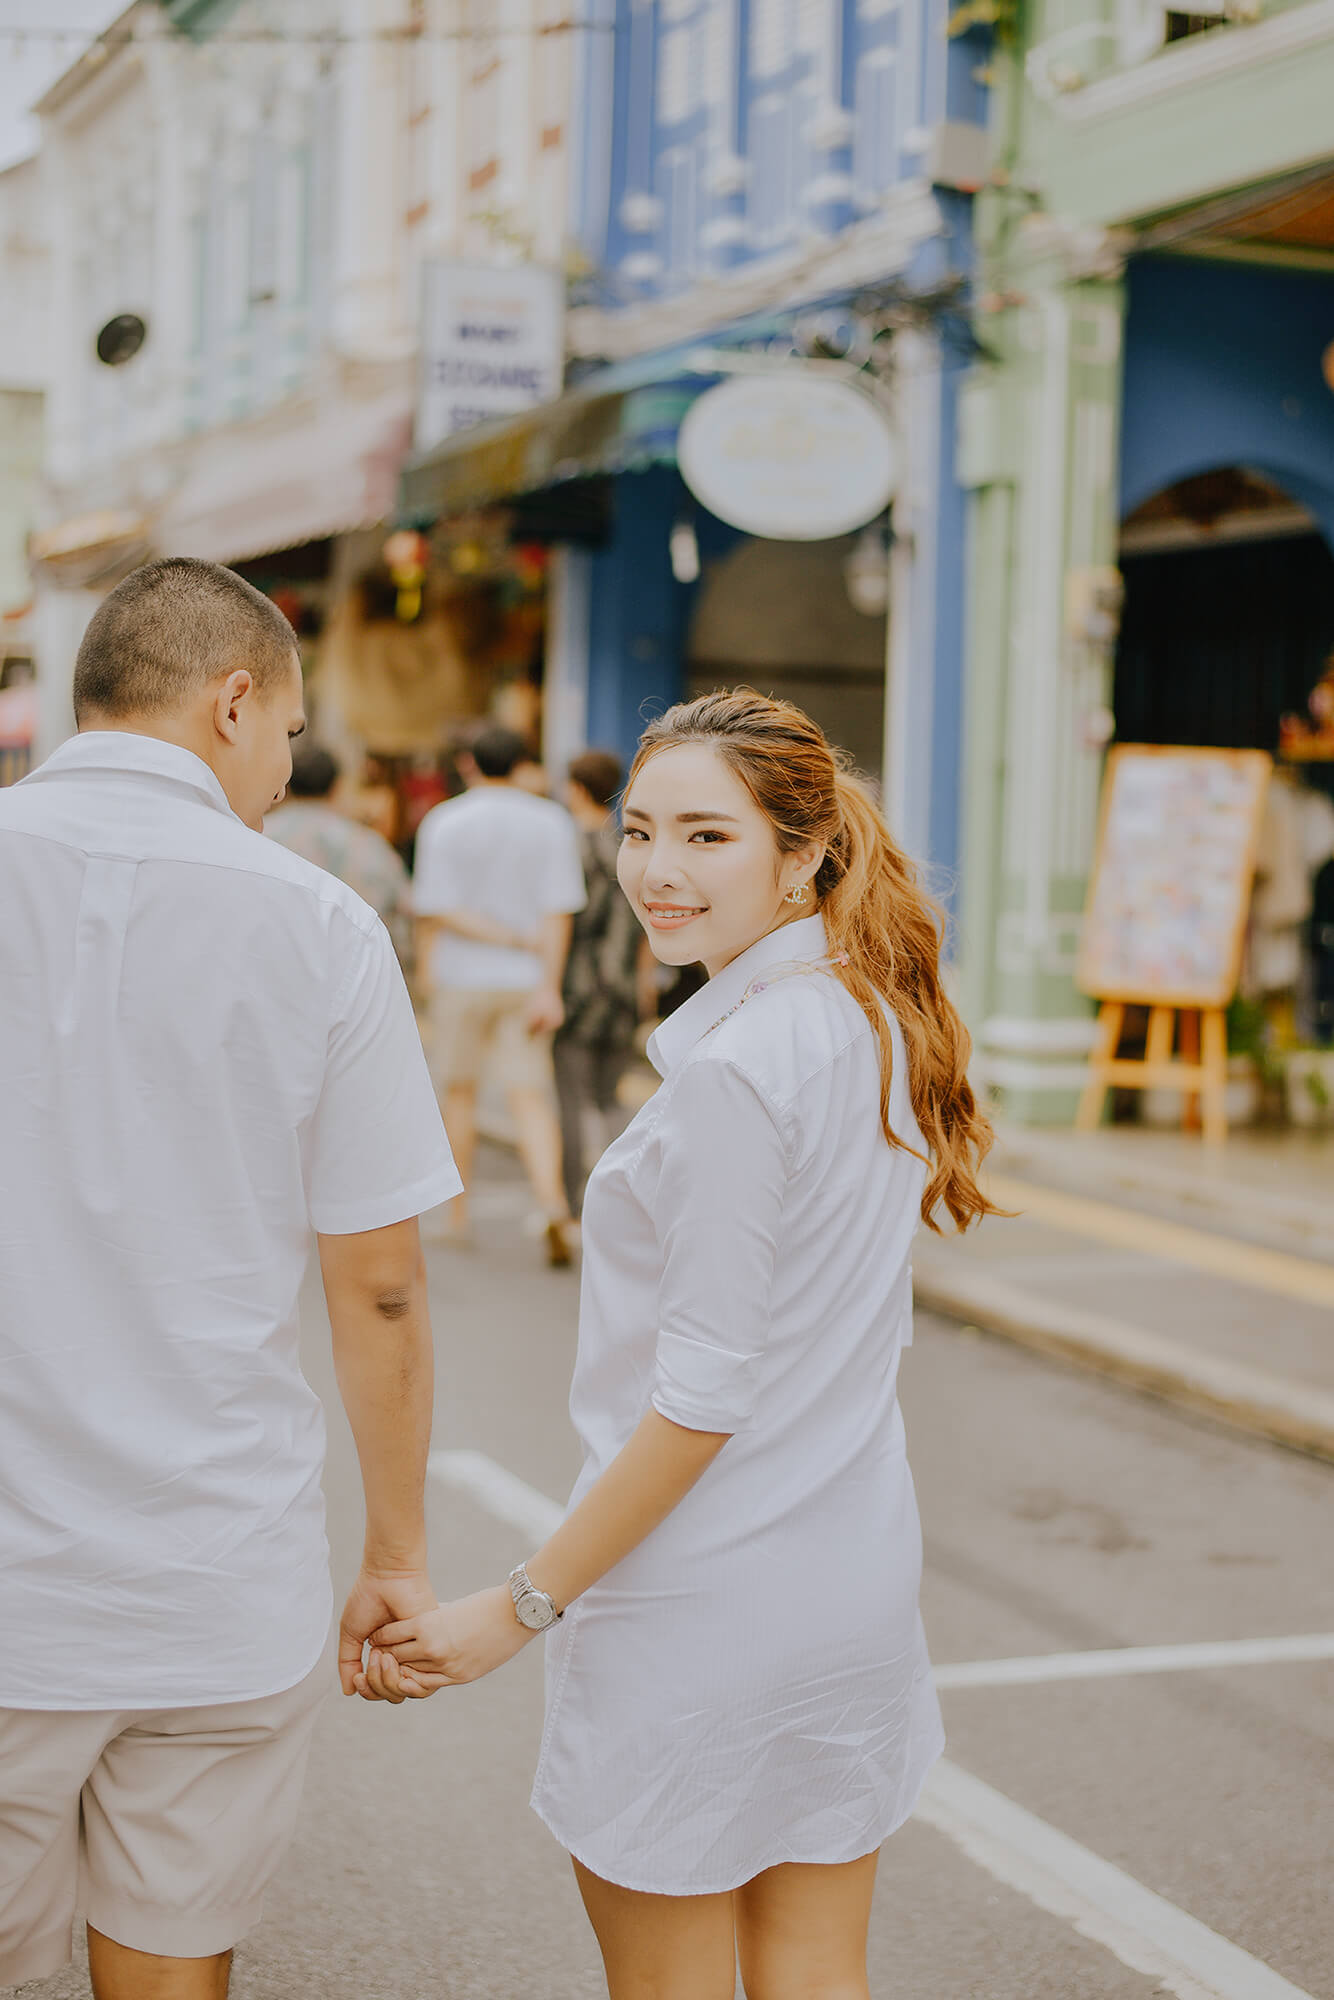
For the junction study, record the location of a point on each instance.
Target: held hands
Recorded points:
(546, 1011)
(411, 1657)
(377, 1595)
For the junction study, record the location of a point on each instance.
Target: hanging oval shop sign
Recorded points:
(789, 456)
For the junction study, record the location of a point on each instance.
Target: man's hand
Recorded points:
(378, 1595)
(546, 1011)
(440, 1647)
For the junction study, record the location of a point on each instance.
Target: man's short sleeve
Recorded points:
(437, 887)
(563, 887)
(376, 1150)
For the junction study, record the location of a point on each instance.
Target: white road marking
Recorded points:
(510, 1499)
(1143, 1930)
(1136, 1660)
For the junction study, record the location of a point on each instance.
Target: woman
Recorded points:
(739, 1703)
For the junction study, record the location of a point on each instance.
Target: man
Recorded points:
(310, 824)
(497, 882)
(608, 980)
(208, 1049)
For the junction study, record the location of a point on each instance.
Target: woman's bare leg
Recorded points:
(801, 1931)
(661, 1947)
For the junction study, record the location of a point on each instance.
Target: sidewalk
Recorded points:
(1207, 1279)
(1274, 1187)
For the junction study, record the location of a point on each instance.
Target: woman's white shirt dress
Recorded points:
(750, 1685)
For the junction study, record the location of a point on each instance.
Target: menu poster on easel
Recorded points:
(1171, 885)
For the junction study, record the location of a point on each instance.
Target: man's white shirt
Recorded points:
(495, 852)
(206, 1049)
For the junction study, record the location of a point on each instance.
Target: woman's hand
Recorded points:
(454, 1643)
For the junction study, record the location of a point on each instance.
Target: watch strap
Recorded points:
(522, 1586)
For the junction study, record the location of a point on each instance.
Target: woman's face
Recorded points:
(699, 861)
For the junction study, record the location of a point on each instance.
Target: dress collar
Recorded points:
(146, 756)
(801, 942)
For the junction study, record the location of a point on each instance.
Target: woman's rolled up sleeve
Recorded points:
(719, 1205)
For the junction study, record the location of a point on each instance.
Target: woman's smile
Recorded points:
(671, 916)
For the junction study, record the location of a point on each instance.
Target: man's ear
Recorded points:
(227, 703)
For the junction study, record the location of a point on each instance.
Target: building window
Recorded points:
(676, 79)
(772, 150)
(874, 139)
(771, 36)
(677, 184)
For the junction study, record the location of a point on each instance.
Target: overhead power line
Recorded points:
(321, 38)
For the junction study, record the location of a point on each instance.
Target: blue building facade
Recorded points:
(1227, 502)
(789, 177)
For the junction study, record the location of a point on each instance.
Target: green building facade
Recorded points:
(1154, 395)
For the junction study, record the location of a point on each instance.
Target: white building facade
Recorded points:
(259, 187)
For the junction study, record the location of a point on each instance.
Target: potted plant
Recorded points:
(1308, 1079)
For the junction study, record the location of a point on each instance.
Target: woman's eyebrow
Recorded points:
(682, 819)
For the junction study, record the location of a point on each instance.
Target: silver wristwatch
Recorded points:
(532, 1607)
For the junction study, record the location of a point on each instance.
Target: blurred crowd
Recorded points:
(532, 980)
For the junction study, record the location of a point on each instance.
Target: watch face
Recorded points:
(535, 1612)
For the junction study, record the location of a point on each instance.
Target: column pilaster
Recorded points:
(1038, 450)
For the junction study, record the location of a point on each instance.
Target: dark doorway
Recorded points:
(1221, 633)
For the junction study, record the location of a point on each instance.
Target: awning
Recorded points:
(620, 420)
(295, 477)
(1292, 215)
(92, 550)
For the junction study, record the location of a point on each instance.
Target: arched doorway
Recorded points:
(1228, 620)
(1227, 627)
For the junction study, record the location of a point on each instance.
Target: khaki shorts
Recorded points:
(472, 1027)
(165, 1827)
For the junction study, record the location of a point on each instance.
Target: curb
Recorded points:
(1246, 1399)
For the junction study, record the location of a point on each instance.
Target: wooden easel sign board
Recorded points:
(1171, 887)
(1166, 915)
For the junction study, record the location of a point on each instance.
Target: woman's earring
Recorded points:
(797, 894)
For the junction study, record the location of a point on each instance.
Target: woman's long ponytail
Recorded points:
(881, 921)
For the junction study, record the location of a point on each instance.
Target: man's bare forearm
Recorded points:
(385, 1365)
(553, 948)
(470, 924)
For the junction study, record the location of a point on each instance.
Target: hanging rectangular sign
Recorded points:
(492, 344)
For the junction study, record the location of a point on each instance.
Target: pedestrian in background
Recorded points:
(607, 983)
(740, 1707)
(311, 825)
(497, 882)
(208, 1050)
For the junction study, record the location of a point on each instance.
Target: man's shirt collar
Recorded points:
(143, 756)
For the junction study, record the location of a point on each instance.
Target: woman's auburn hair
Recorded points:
(882, 927)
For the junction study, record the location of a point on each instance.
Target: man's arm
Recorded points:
(375, 1287)
(547, 1010)
(463, 923)
(486, 930)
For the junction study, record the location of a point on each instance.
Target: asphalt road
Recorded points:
(1061, 1514)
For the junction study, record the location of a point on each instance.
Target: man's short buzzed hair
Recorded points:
(171, 628)
(600, 773)
(496, 751)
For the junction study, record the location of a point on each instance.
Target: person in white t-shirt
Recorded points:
(208, 1052)
(498, 879)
